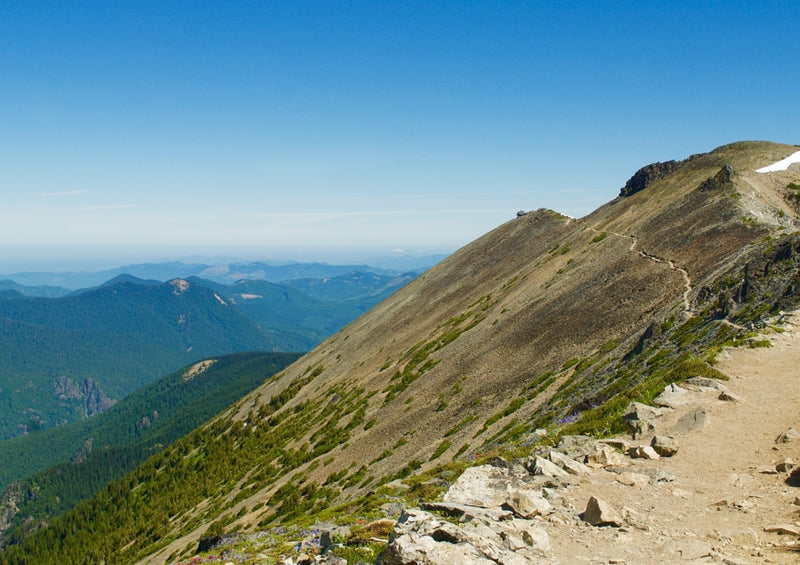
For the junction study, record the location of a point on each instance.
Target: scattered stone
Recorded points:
(577, 447)
(767, 470)
(633, 479)
(705, 382)
(728, 396)
(785, 466)
(619, 444)
(640, 419)
(695, 420)
(644, 452)
(546, 468)
(789, 435)
(600, 513)
(672, 397)
(527, 503)
(568, 464)
(484, 486)
(680, 493)
(603, 457)
(789, 529)
(665, 446)
(635, 519)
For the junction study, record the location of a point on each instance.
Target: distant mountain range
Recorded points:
(53, 284)
(66, 357)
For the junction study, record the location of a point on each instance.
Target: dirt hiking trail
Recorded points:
(727, 503)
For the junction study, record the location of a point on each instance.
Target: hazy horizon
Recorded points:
(41, 258)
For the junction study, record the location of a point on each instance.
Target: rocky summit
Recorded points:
(540, 396)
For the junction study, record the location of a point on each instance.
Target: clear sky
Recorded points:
(281, 125)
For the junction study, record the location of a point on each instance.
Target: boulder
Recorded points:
(527, 503)
(569, 464)
(640, 419)
(600, 513)
(420, 538)
(484, 486)
(541, 466)
(603, 457)
(673, 396)
(644, 452)
(695, 420)
(789, 529)
(785, 466)
(577, 447)
(728, 396)
(704, 382)
(665, 446)
(633, 479)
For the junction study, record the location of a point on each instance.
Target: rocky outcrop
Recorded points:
(647, 175)
(722, 180)
(89, 397)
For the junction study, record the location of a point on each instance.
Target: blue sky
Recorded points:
(314, 127)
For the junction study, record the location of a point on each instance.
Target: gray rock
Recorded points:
(568, 464)
(728, 396)
(644, 452)
(484, 486)
(705, 382)
(547, 468)
(633, 479)
(600, 513)
(640, 419)
(673, 396)
(420, 538)
(527, 503)
(603, 457)
(696, 420)
(665, 446)
(577, 447)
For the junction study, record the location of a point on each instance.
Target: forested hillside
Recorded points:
(63, 359)
(84, 456)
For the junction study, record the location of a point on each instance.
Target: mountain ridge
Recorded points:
(546, 321)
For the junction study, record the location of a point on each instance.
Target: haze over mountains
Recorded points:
(67, 355)
(61, 282)
(545, 322)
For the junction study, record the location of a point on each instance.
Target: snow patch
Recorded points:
(781, 165)
(250, 296)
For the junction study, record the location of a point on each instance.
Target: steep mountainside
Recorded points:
(545, 321)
